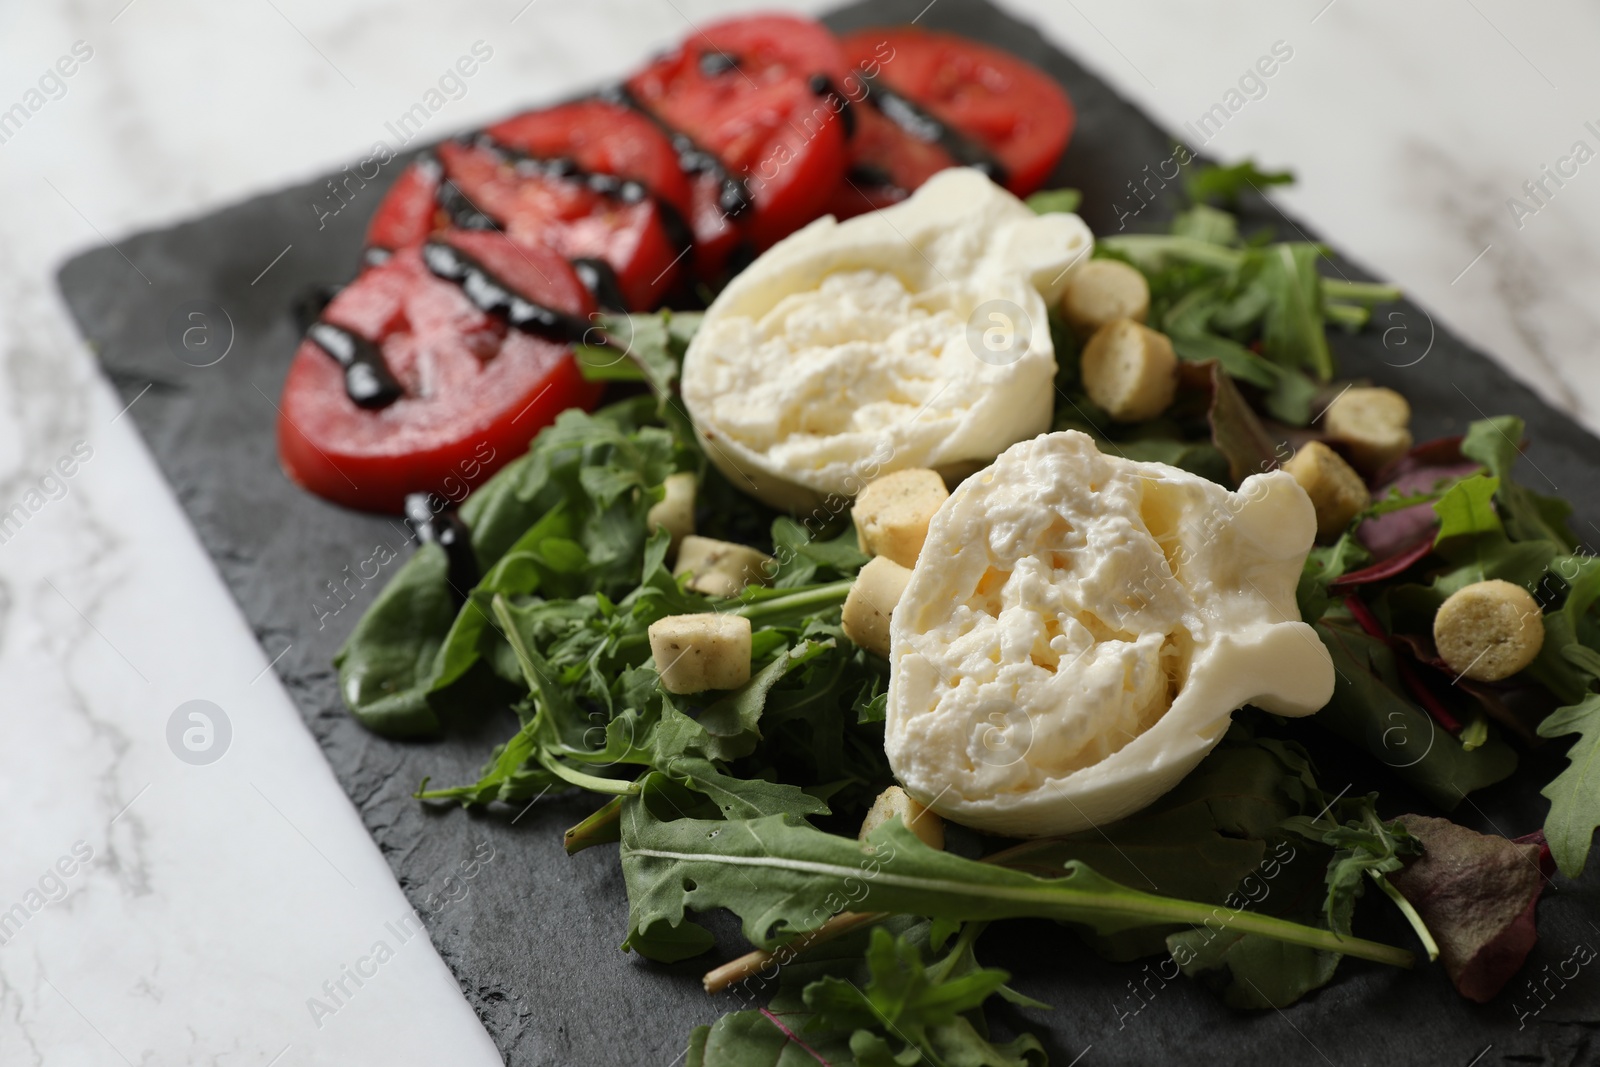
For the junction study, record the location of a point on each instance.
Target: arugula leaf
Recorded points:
(806, 876)
(1226, 183)
(647, 347)
(905, 1002)
(1326, 564)
(1529, 516)
(1198, 842)
(854, 971)
(1574, 794)
(1205, 223)
(1365, 847)
(1568, 663)
(1046, 201)
(1252, 972)
(1292, 331)
(1467, 508)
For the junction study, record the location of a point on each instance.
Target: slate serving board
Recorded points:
(532, 936)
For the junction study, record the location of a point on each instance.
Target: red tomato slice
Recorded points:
(886, 163)
(628, 232)
(1012, 109)
(601, 137)
(406, 214)
(476, 389)
(742, 90)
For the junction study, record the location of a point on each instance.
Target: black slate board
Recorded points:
(533, 937)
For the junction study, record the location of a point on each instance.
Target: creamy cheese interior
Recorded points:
(1079, 628)
(913, 337)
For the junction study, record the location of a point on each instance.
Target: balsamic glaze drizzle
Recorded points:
(442, 526)
(823, 86)
(924, 126)
(717, 62)
(733, 197)
(598, 277)
(368, 381)
(625, 190)
(489, 294)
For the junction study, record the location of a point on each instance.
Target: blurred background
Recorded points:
(210, 908)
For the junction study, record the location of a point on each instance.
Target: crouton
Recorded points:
(721, 568)
(1130, 371)
(1337, 492)
(1488, 631)
(694, 653)
(674, 512)
(891, 514)
(1101, 291)
(893, 801)
(865, 616)
(1373, 425)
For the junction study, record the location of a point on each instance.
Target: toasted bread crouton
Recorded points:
(1130, 371)
(721, 568)
(1337, 492)
(893, 801)
(674, 512)
(1488, 631)
(1373, 425)
(694, 653)
(865, 616)
(892, 513)
(1101, 291)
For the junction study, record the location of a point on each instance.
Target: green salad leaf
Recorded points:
(870, 999)
(1574, 794)
(784, 878)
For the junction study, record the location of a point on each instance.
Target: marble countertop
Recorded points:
(155, 908)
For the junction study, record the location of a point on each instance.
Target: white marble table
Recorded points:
(207, 904)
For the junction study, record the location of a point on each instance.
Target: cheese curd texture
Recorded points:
(1079, 629)
(916, 336)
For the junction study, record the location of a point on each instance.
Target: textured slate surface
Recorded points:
(532, 936)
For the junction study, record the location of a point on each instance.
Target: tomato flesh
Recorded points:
(476, 389)
(742, 89)
(1010, 108)
(532, 208)
(406, 214)
(602, 137)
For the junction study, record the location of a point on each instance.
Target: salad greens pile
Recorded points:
(1248, 874)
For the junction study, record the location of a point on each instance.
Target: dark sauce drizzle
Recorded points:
(562, 168)
(443, 527)
(716, 63)
(489, 294)
(598, 277)
(924, 126)
(823, 86)
(733, 196)
(368, 381)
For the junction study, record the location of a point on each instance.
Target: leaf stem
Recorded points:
(753, 963)
(597, 829)
(616, 786)
(1360, 292)
(806, 602)
(1423, 933)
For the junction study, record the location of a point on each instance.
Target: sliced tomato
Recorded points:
(886, 163)
(756, 94)
(406, 214)
(626, 229)
(1009, 108)
(604, 138)
(475, 388)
